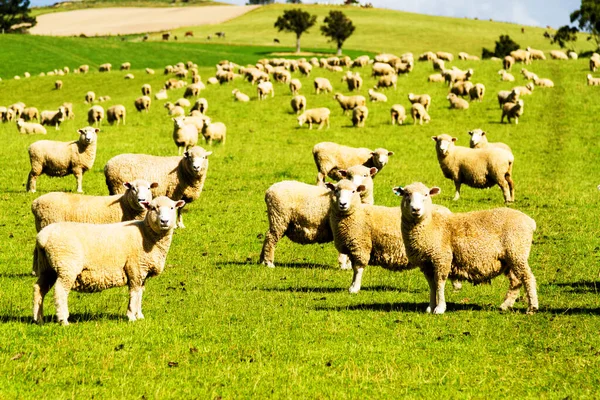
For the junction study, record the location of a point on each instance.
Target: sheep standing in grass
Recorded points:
(398, 114)
(295, 86)
(239, 96)
(30, 127)
(147, 89)
(359, 116)
(143, 103)
(436, 78)
(594, 63)
(129, 76)
(418, 113)
(322, 85)
(456, 102)
(479, 140)
(475, 246)
(462, 88)
(353, 80)
(201, 105)
(558, 55)
(377, 97)
(90, 97)
(264, 89)
(17, 109)
(477, 92)
(94, 257)
(105, 67)
(174, 111)
(315, 115)
(525, 90)
(522, 56)
(387, 81)
(423, 99)
(591, 81)
(512, 110)
(214, 131)
(58, 85)
(530, 76)
(508, 96)
(53, 117)
(116, 114)
(348, 103)
(95, 115)
(161, 95)
(126, 66)
(30, 114)
(298, 104)
(177, 177)
(185, 136)
(67, 207)
(63, 158)
(477, 168)
(536, 54)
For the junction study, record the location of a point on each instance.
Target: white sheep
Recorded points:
(359, 116)
(174, 111)
(591, 81)
(543, 82)
(572, 55)
(377, 97)
(354, 81)
(456, 102)
(95, 115)
(322, 85)
(477, 92)
(558, 55)
(142, 103)
(525, 90)
(398, 114)
(423, 99)
(264, 89)
(185, 135)
(508, 96)
(295, 86)
(418, 113)
(522, 56)
(315, 115)
(63, 158)
(147, 90)
(105, 67)
(536, 54)
(475, 246)
(30, 114)
(30, 127)
(444, 56)
(239, 96)
(94, 257)
(594, 63)
(90, 97)
(387, 81)
(479, 140)
(58, 85)
(477, 168)
(214, 131)
(462, 88)
(129, 76)
(150, 71)
(348, 103)
(201, 105)
(512, 110)
(116, 114)
(298, 104)
(126, 66)
(436, 78)
(506, 76)
(53, 117)
(530, 76)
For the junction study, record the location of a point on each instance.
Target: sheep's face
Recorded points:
(301, 119)
(416, 200)
(88, 135)
(443, 143)
(345, 195)
(197, 159)
(162, 213)
(359, 175)
(179, 122)
(141, 190)
(381, 157)
(476, 137)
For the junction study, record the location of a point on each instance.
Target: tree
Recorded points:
(14, 16)
(588, 19)
(504, 45)
(294, 1)
(338, 28)
(296, 21)
(565, 35)
(261, 1)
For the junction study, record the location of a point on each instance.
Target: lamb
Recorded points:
(315, 115)
(185, 135)
(143, 103)
(558, 55)
(508, 62)
(30, 127)
(508, 96)
(398, 114)
(126, 66)
(506, 76)
(512, 110)
(530, 76)
(95, 115)
(462, 88)
(105, 67)
(30, 113)
(543, 82)
(147, 90)
(295, 86)
(377, 97)
(201, 105)
(477, 168)
(63, 158)
(301, 212)
(359, 116)
(174, 111)
(129, 76)
(53, 117)
(239, 96)
(331, 157)
(177, 177)
(116, 114)
(456, 102)
(536, 54)
(479, 140)
(66, 207)
(90, 97)
(298, 104)
(93, 257)
(214, 131)
(322, 84)
(349, 102)
(418, 113)
(594, 64)
(444, 56)
(263, 89)
(591, 81)
(387, 81)
(436, 78)
(58, 85)
(475, 246)
(477, 92)
(522, 56)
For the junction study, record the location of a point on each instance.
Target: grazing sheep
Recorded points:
(126, 66)
(143, 103)
(17, 109)
(438, 65)
(83, 69)
(508, 96)
(444, 56)
(377, 97)
(30, 114)
(305, 68)
(525, 90)
(428, 56)
(418, 113)
(543, 82)
(349, 102)
(298, 104)
(150, 71)
(58, 85)
(315, 115)
(436, 78)
(465, 56)
(572, 55)
(95, 115)
(353, 80)
(591, 81)
(522, 56)
(330, 158)
(530, 76)
(174, 111)
(3, 114)
(69, 110)
(161, 95)
(506, 76)
(53, 117)
(282, 75)
(594, 63)
(201, 105)
(239, 96)
(212, 81)
(183, 103)
(193, 90)
(479, 140)
(512, 110)
(322, 84)
(30, 127)
(116, 114)
(295, 86)
(477, 92)
(558, 55)
(456, 102)
(66, 207)
(423, 99)
(263, 89)
(462, 88)
(359, 116)
(93, 257)
(129, 76)
(214, 131)
(147, 90)
(105, 67)
(453, 76)
(475, 246)
(508, 62)
(398, 114)
(63, 158)
(536, 54)
(185, 135)
(90, 97)
(387, 81)
(477, 168)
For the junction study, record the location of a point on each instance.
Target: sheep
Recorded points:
(387, 81)
(418, 113)
(126, 66)
(90, 97)
(30, 114)
(359, 116)
(214, 131)
(466, 56)
(5, 114)
(298, 104)
(438, 65)
(543, 82)
(479, 140)
(212, 81)
(508, 96)
(30, 127)
(322, 84)
(530, 76)
(95, 115)
(143, 103)
(330, 158)
(444, 56)
(63, 158)
(93, 257)
(305, 68)
(594, 64)
(17, 109)
(477, 92)
(398, 114)
(239, 96)
(572, 55)
(282, 75)
(177, 177)
(477, 168)
(129, 76)
(349, 102)
(201, 105)
(456, 102)
(428, 56)
(53, 117)
(102, 99)
(193, 90)
(462, 88)
(525, 90)
(506, 76)
(263, 89)
(354, 81)
(591, 81)
(58, 85)
(536, 54)
(161, 95)
(522, 56)
(105, 67)
(360, 61)
(455, 75)
(174, 111)
(377, 97)
(116, 114)
(512, 110)
(436, 78)
(183, 103)
(295, 86)
(508, 62)
(83, 68)
(69, 110)
(147, 89)
(185, 135)
(150, 71)
(301, 212)
(558, 55)
(315, 115)
(423, 99)
(66, 207)
(475, 246)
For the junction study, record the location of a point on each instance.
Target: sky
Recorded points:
(527, 12)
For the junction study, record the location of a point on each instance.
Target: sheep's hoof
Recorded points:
(268, 264)
(353, 290)
(428, 310)
(345, 266)
(64, 323)
(31, 191)
(439, 310)
(532, 310)
(140, 316)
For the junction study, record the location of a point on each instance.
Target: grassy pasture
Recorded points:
(219, 325)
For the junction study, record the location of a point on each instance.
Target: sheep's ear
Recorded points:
(208, 153)
(482, 133)
(147, 205)
(434, 191)
(80, 131)
(330, 186)
(390, 153)
(373, 171)
(470, 133)
(398, 191)
(180, 204)
(128, 185)
(454, 139)
(361, 188)
(153, 185)
(434, 138)
(97, 130)
(186, 154)
(173, 119)
(343, 172)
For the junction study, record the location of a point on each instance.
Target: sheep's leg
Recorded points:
(530, 288)
(457, 192)
(440, 286)
(514, 287)
(511, 185)
(516, 120)
(309, 125)
(267, 255)
(505, 190)
(321, 124)
(356, 278)
(61, 299)
(31, 182)
(139, 314)
(134, 310)
(344, 262)
(432, 292)
(79, 177)
(502, 119)
(393, 121)
(40, 289)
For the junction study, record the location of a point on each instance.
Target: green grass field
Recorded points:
(220, 326)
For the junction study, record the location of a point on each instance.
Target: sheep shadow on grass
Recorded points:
(402, 306)
(74, 318)
(580, 287)
(279, 265)
(308, 289)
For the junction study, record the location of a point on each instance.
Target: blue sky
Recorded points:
(527, 12)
